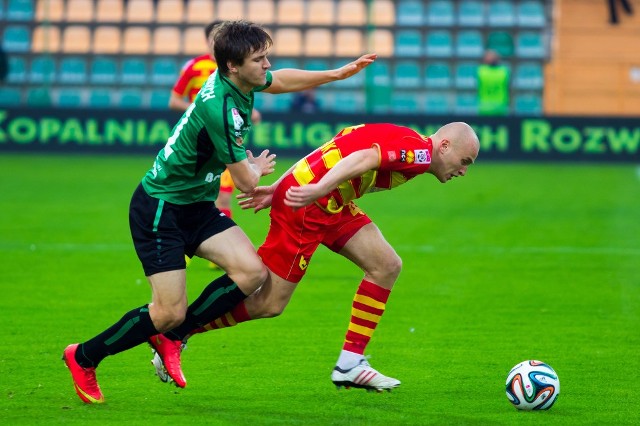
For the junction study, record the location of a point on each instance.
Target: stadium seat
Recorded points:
(10, 96)
(347, 101)
(69, 98)
(261, 11)
(109, 11)
(469, 44)
(17, 70)
(408, 43)
(73, 70)
(501, 13)
(103, 71)
(383, 13)
(316, 65)
(281, 102)
(318, 42)
(131, 98)
(531, 14)
(349, 42)
(527, 104)
(194, 42)
(501, 42)
(406, 102)
(134, 71)
(79, 11)
(107, 39)
(471, 13)
(136, 40)
(290, 12)
(437, 102)
(49, 11)
(319, 12)
(199, 12)
(466, 103)
(170, 11)
(380, 73)
(381, 42)
(76, 39)
(159, 99)
(167, 41)
(164, 72)
(407, 74)
(2, 13)
(439, 44)
(440, 13)
(409, 13)
(42, 70)
(351, 12)
(100, 98)
(139, 11)
(528, 75)
(287, 42)
(20, 10)
(438, 75)
(39, 96)
(530, 44)
(466, 75)
(16, 38)
(355, 81)
(45, 39)
(230, 9)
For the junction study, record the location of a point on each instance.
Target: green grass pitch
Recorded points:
(513, 262)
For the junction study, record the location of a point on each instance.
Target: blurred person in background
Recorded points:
(305, 102)
(493, 85)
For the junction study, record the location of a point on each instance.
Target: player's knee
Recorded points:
(165, 319)
(388, 268)
(251, 278)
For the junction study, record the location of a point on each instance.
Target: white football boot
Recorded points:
(363, 376)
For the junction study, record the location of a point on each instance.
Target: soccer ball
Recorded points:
(532, 385)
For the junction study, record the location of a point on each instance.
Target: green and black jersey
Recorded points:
(209, 135)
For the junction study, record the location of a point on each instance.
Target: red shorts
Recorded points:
(295, 235)
(226, 183)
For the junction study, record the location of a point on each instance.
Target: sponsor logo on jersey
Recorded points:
(403, 156)
(391, 155)
(303, 263)
(239, 141)
(238, 122)
(422, 156)
(410, 157)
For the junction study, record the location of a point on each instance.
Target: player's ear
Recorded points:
(445, 145)
(232, 67)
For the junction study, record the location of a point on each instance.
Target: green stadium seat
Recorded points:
(379, 99)
(131, 98)
(349, 101)
(501, 42)
(39, 96)
(501, 13)
(281, 102)
(527, 104)
(438, 103)
(164, 71)
(316, 65)
(16, 38)
(134, 71)
(17, 70)
(2, 9)
(103, 71)
(466, 103)
(43, 70)
(100, 98)
(466, 75)
(20, 10)
(407, 74)
(531, 14)
(530, 44)
(69, 98)
(325, 98)
(73, 70)
(409, 13)
(159, 99)
(408, 43)
(380, 73)
(528, 75)
(280, 63)
(406, 103)
(438, 75)
(439, 44)
(441, 13)
(471, 13)
(469, 44)
(10, 96)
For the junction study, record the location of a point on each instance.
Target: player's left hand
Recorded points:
(258, 199)
(356, 66)
(264, 162)
(300, 196)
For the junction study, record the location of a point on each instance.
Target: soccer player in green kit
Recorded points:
(173, 213)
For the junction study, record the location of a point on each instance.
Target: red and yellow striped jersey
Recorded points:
(404, 154)
(193, 76)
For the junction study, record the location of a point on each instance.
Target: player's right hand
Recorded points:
(258, 199)
(265, 162)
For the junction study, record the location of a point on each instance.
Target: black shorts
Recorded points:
(164, 232)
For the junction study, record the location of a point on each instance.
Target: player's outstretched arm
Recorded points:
(295, 80)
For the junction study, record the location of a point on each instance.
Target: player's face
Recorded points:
(253, 72)
(453, 160)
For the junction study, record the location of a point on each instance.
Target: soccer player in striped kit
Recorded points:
(312, 204)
